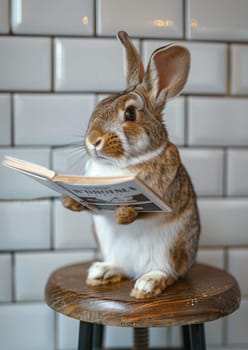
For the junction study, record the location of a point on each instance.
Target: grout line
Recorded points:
(225, 173)
(52, 224)
(228, 73)
(226, 260)
(142, 51)
(94, 18)
(225, 319)
(12, 121)
(52, 61)
(185, 18)
(134, 37)
(111, 92)
(13, 285)
(186, 122)
(10, 19)
(55, 329)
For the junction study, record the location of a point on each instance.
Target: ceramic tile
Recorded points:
(237, 172)
(208, 70)
(174, 120)
(123, 337)
(17, 186)
(25, 225)
(210, 256)
(67, 332)
(160, 337)
(35, 268)
(5, 119)
(26, 327)
(25, 63)
(224, 222)
(214, 333)
(101, 69)
(72, 230)
(239, 69)
(238, 262)
(237, 326)
(4, 16)
(50, 119)
(118, 336)
(159, 18)
(217, 121)
(6, 278)
(217, 20)
(70, 159)
(205, 167)
(74, 17)
(175, 337)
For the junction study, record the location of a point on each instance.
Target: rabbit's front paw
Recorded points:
(101, 273)
(150, 285)
(71, 204)
(125, 215)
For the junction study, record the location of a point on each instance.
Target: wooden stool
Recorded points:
(204, 294)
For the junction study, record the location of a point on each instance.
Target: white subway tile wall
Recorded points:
(174, 118)
(26, 326)
(25, 63)
(5, 119)
(74, 17)
(4, 16)
(49, 118)
(239, 69)
(217, 19)
(17, 186)
(79, 227)
(6, 282)
(237, 170)
(25, 225)
(88, 65)
(27, 265)
(58, 58)
(142, 18)
(218, 121)
(205, 167)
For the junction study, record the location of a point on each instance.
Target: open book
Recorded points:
(96, 193)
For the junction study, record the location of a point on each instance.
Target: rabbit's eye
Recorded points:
(130, 114)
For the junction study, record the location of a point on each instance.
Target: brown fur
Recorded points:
(71, 204)
(165, 76)
(125, 215)
(104, 280)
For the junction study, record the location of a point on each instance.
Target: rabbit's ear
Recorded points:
(134, 65)
(166, 73)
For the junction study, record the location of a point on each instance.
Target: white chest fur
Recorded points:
(99, 168)
(139, 247)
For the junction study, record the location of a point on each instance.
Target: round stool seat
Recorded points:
(204, 294)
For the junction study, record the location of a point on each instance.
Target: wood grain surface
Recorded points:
(204, 294)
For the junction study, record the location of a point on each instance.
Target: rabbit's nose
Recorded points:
(98, 143)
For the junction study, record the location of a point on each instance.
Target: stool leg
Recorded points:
(186, 337)
(141, 338)
(85, 336)
(194, 337)
(98, 337)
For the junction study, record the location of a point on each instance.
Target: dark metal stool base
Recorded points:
(91, 337)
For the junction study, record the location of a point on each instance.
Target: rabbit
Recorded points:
(126, 135)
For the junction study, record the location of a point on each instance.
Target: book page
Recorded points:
(28, 167)
(107, 197)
